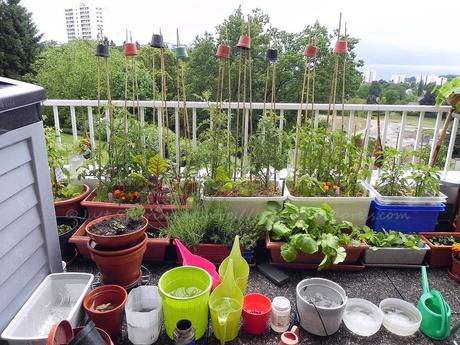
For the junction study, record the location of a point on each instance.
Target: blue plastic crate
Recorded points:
(404, 218)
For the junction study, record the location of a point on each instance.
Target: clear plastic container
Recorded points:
(400, 317)
(404, 200)
(281, 314)
(362, 317)
(144, 316)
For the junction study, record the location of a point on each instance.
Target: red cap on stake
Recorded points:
(130, 49)
(310, 50)
(244, 42)
(223, 51)
(341, 47)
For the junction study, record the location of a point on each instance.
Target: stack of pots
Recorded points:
(118, 257)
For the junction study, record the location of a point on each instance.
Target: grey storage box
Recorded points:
(29, 246)
(395, 256)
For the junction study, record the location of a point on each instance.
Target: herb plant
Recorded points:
(135, 213)
(309, 229)
(63, 228)
(444, 240)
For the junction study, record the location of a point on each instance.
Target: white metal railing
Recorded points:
(350, 111)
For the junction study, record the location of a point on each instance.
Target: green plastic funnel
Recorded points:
(436, 313)
(226, 304)
(240, 266)
(185, 294)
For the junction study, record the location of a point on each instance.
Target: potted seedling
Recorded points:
(310, 237)
(454, 272)
(66, 227)
(209, 231)
(67, 194)
(440, 244)
(330, 168)
(245, 186)
(393, 248)
(408, 198)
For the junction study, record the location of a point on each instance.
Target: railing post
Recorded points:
(316, 122)
(386, 121)
(435, 134)
(450, 149)
(246, 135)
(91, 128)
(281, 126)
(160, 133)
(107, 124)
(367, 130)
(351, 122)
(73, 121)
(194, 128)
(57, 126)
(177, 130)
(418, 137)
(401, 131)
(142, 121)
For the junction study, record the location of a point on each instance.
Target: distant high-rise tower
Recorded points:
(370, 75)
(398, 78)
(84, 22)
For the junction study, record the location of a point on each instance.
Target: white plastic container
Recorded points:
(352, 209)
(58, 297)
(407, 200)
(144, 315)
(400, 317)
(280, 317)
(395, 256)
(362, 317)
(249, 206)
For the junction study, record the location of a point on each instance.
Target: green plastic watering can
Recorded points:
(240, 266)
(226, 304)
(436, 313)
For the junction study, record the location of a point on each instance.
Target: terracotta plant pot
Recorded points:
(244, 42)
(121, 267)
(154, 213)
(310, 51)
(455, 266)
(67, 249)
(353, 254)
(216, 253)
(130, 49)
(116, 241)
(439, 256)
(223, 51)
(341, 47)
(156, 247)
(108, 320)
(71, 207)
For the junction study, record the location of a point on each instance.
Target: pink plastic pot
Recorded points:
(256, 313)
(341, 47)
(290, 337)
(130, 49)
(223, 51)
(244, 42)
(310, 51)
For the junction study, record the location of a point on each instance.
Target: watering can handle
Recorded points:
(425, 286)
(184, 252)
(442, 303)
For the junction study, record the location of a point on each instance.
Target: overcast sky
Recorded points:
(397, 36)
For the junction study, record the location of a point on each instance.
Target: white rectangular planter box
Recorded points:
(396, 256)
(352, 209)
(249, 206)
(58, 297)
(407, 200)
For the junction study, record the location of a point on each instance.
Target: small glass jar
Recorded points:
(281, 314)
(184, 334)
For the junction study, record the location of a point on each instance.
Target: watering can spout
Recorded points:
(425, 286)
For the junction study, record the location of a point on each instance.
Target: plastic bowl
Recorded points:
(362, 317)
(400, 317)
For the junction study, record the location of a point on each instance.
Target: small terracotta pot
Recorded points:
(121, 267)
(116, 241)
(244, 42)
(223, 51)
(130, 49)
(71, 207)
(108, 320)
(310, 51)
(439, 256)
(341, 47)
(455, 267)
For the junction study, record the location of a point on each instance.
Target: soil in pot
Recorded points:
(116, 226)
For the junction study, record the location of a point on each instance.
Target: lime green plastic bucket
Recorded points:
(185, 294)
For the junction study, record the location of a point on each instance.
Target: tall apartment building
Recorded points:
(398, 78)
(370, 75)
(84, 21)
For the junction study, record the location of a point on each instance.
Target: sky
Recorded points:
(410, 37)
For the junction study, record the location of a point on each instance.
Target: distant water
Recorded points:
(386, 71)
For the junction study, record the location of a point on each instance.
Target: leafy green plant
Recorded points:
(444, 240)
(309, 229)
(63, 228)
(135, 213)
(447, 92)
(392, 239)
(212, 224)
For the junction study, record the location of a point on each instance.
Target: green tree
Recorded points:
(19, 40)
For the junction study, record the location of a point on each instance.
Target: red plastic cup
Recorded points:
(256, 313)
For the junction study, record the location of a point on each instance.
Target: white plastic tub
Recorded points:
(249, 206)
(352, 209)
(407, 200)
(58, 297)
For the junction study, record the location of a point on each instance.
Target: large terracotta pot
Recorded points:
(71, 207)
(108, 320)
(121, 267)
(116, 241)
(438, 256)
